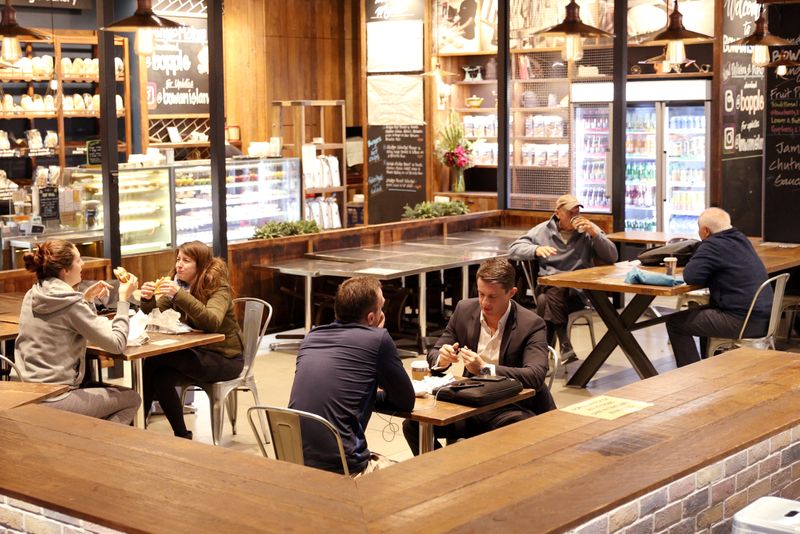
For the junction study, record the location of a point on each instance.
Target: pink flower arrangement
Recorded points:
(459, 157)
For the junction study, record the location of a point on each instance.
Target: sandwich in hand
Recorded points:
(160, 284)
(122, 275)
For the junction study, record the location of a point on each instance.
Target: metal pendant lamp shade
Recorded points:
(782, 64)
(760, 39)
(144, 17)
(675, 31)
(572, 25)
(10, 28)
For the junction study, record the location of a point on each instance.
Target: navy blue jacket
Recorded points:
(728, 265)
(340, 367)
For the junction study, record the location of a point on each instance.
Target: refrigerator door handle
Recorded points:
(609, 150)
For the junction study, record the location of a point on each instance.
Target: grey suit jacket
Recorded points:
(523, 350)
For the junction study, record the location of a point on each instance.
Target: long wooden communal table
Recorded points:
(13, 394)
(429, 413)
(551, 473)
(159, 344)
(600, 283)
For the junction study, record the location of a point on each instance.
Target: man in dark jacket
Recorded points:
(492, 335)
(340, 367)
(727, 264)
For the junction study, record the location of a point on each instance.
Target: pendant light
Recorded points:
(782, 64)
(143, 22)
(761, 40)
(675, 36)
(12, 32)
(573, 31)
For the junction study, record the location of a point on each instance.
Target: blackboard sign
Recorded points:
(396, 170)
(395, 10)
(55, 4)
(48, 203)
(177, 73)
(743, 96)
(94, 152)
(782, 154)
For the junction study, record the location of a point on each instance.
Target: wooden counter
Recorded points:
(548, 474)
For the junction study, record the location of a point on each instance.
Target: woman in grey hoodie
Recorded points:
(57, 322)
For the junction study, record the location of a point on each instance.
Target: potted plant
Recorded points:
(454, 151)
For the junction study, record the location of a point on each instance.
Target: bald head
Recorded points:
(712, 221)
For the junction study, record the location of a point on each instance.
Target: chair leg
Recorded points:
(233, 406)
(590, 324)
(261, 418)
(217, 415)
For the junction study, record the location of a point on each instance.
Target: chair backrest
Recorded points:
(253, 328)
(287, 437)
(529, 269)
(552, 357)
(777, 298)
(12, 365)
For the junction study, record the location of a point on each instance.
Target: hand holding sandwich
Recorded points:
(128, 283)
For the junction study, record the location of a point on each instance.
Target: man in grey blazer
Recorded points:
(492, 335)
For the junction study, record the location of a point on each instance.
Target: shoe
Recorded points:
(186, 435)
(568, 356)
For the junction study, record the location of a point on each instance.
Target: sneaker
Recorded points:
(568, 356)
(186, 435)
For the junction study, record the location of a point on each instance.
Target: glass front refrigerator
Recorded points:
(641, 167)
(592, 153)
(686, 154)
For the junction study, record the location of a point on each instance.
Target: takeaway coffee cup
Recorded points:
(671, 263)
(419, 369)
(574, 220)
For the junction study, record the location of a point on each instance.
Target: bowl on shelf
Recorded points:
(474, 101)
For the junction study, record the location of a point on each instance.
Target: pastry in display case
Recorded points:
(144, 200)
(258, 191)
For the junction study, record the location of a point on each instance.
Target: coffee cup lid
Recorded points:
(419, 364)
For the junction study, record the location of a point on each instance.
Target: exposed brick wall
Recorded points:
(19, 516)
(704, 502)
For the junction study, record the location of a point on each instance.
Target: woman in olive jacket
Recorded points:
(198, 288)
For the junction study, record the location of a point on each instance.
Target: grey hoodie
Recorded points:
(55, 325)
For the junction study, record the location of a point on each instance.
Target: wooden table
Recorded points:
(159, 344)
(430, 413)
(600, 283)
(13, 394)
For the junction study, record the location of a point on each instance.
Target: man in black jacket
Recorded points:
(340, 367)
(727, 264)
(492, 335)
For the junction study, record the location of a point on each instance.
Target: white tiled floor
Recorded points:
(275, 372)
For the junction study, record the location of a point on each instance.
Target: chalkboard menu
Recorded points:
(396, 170)
(48, 203)
(782, 155)
(742, 119)
(94, 152)
(55, 4)
(177, 73)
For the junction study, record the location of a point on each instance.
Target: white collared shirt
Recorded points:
(489, 343)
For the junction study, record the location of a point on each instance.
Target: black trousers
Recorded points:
(162, 374)
(467, 428)
(554, 304)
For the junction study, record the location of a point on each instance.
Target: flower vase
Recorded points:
(457, 180)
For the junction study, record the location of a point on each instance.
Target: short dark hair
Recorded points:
(498, 271)
(355, 298)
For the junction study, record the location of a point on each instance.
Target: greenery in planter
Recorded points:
(272, 230)
(429, 210)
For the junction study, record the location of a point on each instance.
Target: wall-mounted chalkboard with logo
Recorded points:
(742, 139)
(177, 73)
(782, 154)
(396, 170)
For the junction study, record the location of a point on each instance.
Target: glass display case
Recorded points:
(144, 200)
(259, 190)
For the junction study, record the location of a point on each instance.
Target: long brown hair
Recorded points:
(212, 273)
(49, 258)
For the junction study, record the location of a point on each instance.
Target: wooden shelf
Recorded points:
(324, 190)
(29, 115)
(540, 109)
(481, 82)
(671, 76)
(475, 110)
(544, 80)
(467, 54)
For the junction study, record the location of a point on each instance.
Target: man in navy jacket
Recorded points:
(340, 367)
(727, 264)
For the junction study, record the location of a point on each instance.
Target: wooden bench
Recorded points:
(551, 473)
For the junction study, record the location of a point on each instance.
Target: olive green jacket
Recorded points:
(216, 316)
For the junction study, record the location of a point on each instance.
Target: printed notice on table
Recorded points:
(606, 407)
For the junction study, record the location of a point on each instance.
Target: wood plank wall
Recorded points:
(289, 50)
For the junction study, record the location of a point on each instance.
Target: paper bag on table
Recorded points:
(167, 322)
(137, 326)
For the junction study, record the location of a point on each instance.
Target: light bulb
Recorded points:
(11, 51)
(573, 48)
(781, 70)
(676, 53)
(145, 42)
(53, 84)
(760, 55)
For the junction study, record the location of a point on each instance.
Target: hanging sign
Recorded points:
(177, 73)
